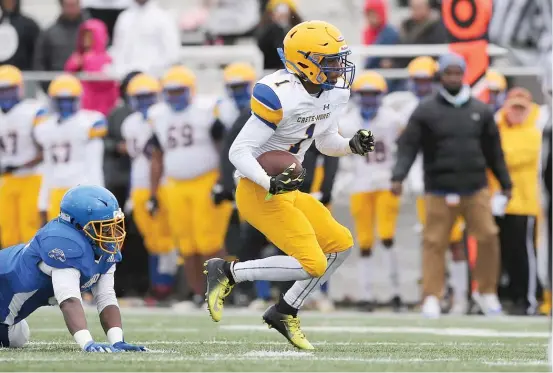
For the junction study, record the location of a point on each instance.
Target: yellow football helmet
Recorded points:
(316, 52)
(11, 83)
(421, 75)
(65, 93)
(370, 81)
(179, 86)
(368, 91)
(143, 91)
(238, 73)
(497, 85)
(272, 4)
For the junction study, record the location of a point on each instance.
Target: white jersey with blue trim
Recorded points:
(281, 102)
(73, 149)
(226, 111)
(16, 135)
(185, 138)
(405, 103)
(373, 172)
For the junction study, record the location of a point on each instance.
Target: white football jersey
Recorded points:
(226, 111)
(16, 134)
(303, 117)
(373, 172)
(73, 149)
(405, 103)
(137, 132)
(185, 138)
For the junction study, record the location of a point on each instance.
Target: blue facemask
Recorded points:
(141, 103)
(9, 97)
(421, 87)
(497, 99)
(66, 106)
(369, 103)
(178, 98)
(241, 93)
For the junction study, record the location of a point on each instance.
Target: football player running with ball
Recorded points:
(291, 108)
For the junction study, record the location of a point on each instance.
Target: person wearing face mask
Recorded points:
(279, 17)
(459, 140)
(72, 142)
(373, 207)
(186, 149)
(497, 86)
(521, 142)
(143, 92)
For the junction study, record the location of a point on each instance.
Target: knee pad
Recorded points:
(19, 334)
(388, 242)
(315, 266)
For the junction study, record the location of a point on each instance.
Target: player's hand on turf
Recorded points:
(124, 346)
(362, 142)
(152, 205)
(219, 194)
(286, 181)
(99, 347)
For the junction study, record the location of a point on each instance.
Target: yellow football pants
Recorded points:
(154, 230)
(380, 208)
(195, 221)
(457, 231)
(56, 195)
(296, 223)
(19, 218)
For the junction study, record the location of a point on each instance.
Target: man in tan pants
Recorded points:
(459, 141)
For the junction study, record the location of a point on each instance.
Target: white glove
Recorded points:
(499, 204)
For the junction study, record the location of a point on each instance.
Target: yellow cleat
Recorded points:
(545, 308)
(288, 326)
(218, 287)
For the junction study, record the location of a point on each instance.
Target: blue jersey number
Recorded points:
(294, 149)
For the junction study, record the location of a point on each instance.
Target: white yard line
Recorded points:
(400, 330)
(267, 356)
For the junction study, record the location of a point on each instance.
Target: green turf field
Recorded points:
(240, 342)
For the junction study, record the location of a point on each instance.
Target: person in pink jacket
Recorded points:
(91, 56)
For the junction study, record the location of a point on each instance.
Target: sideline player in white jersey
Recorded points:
(422, 71)
(19, 157)
(143, 92)
(239, 78)
(71, 139)
(372, 204)
(291, 108)
(186, 146)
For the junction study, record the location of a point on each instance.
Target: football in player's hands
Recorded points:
(362, 142)
(274, 162)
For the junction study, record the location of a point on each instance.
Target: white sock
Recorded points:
(273, 268)
(299, 292)
(390, 261)
(459, 279)
(167, 263)
(365, 272)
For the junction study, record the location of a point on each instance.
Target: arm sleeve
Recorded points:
(491, 147)
(408, 145)
(66, 284)
(254, 134)
(332, 143)
(104, 291)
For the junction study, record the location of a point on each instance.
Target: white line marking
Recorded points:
(401, 330)
(145, 330)
(275, 354)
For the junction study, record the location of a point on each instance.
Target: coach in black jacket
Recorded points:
(459, 141)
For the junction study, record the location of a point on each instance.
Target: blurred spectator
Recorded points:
(279, 17)
(424, 26)
(459, 140)
(497, 86)
(146, 38)
(91, 56)
(521, 142)
(18, 34)
(380, 32)
(231, 19)
(117, 164)
(106, 11)
(57, 42)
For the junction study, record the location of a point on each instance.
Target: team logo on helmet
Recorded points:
(57, 254)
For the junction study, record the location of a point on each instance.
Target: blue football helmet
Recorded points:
(94, 210)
